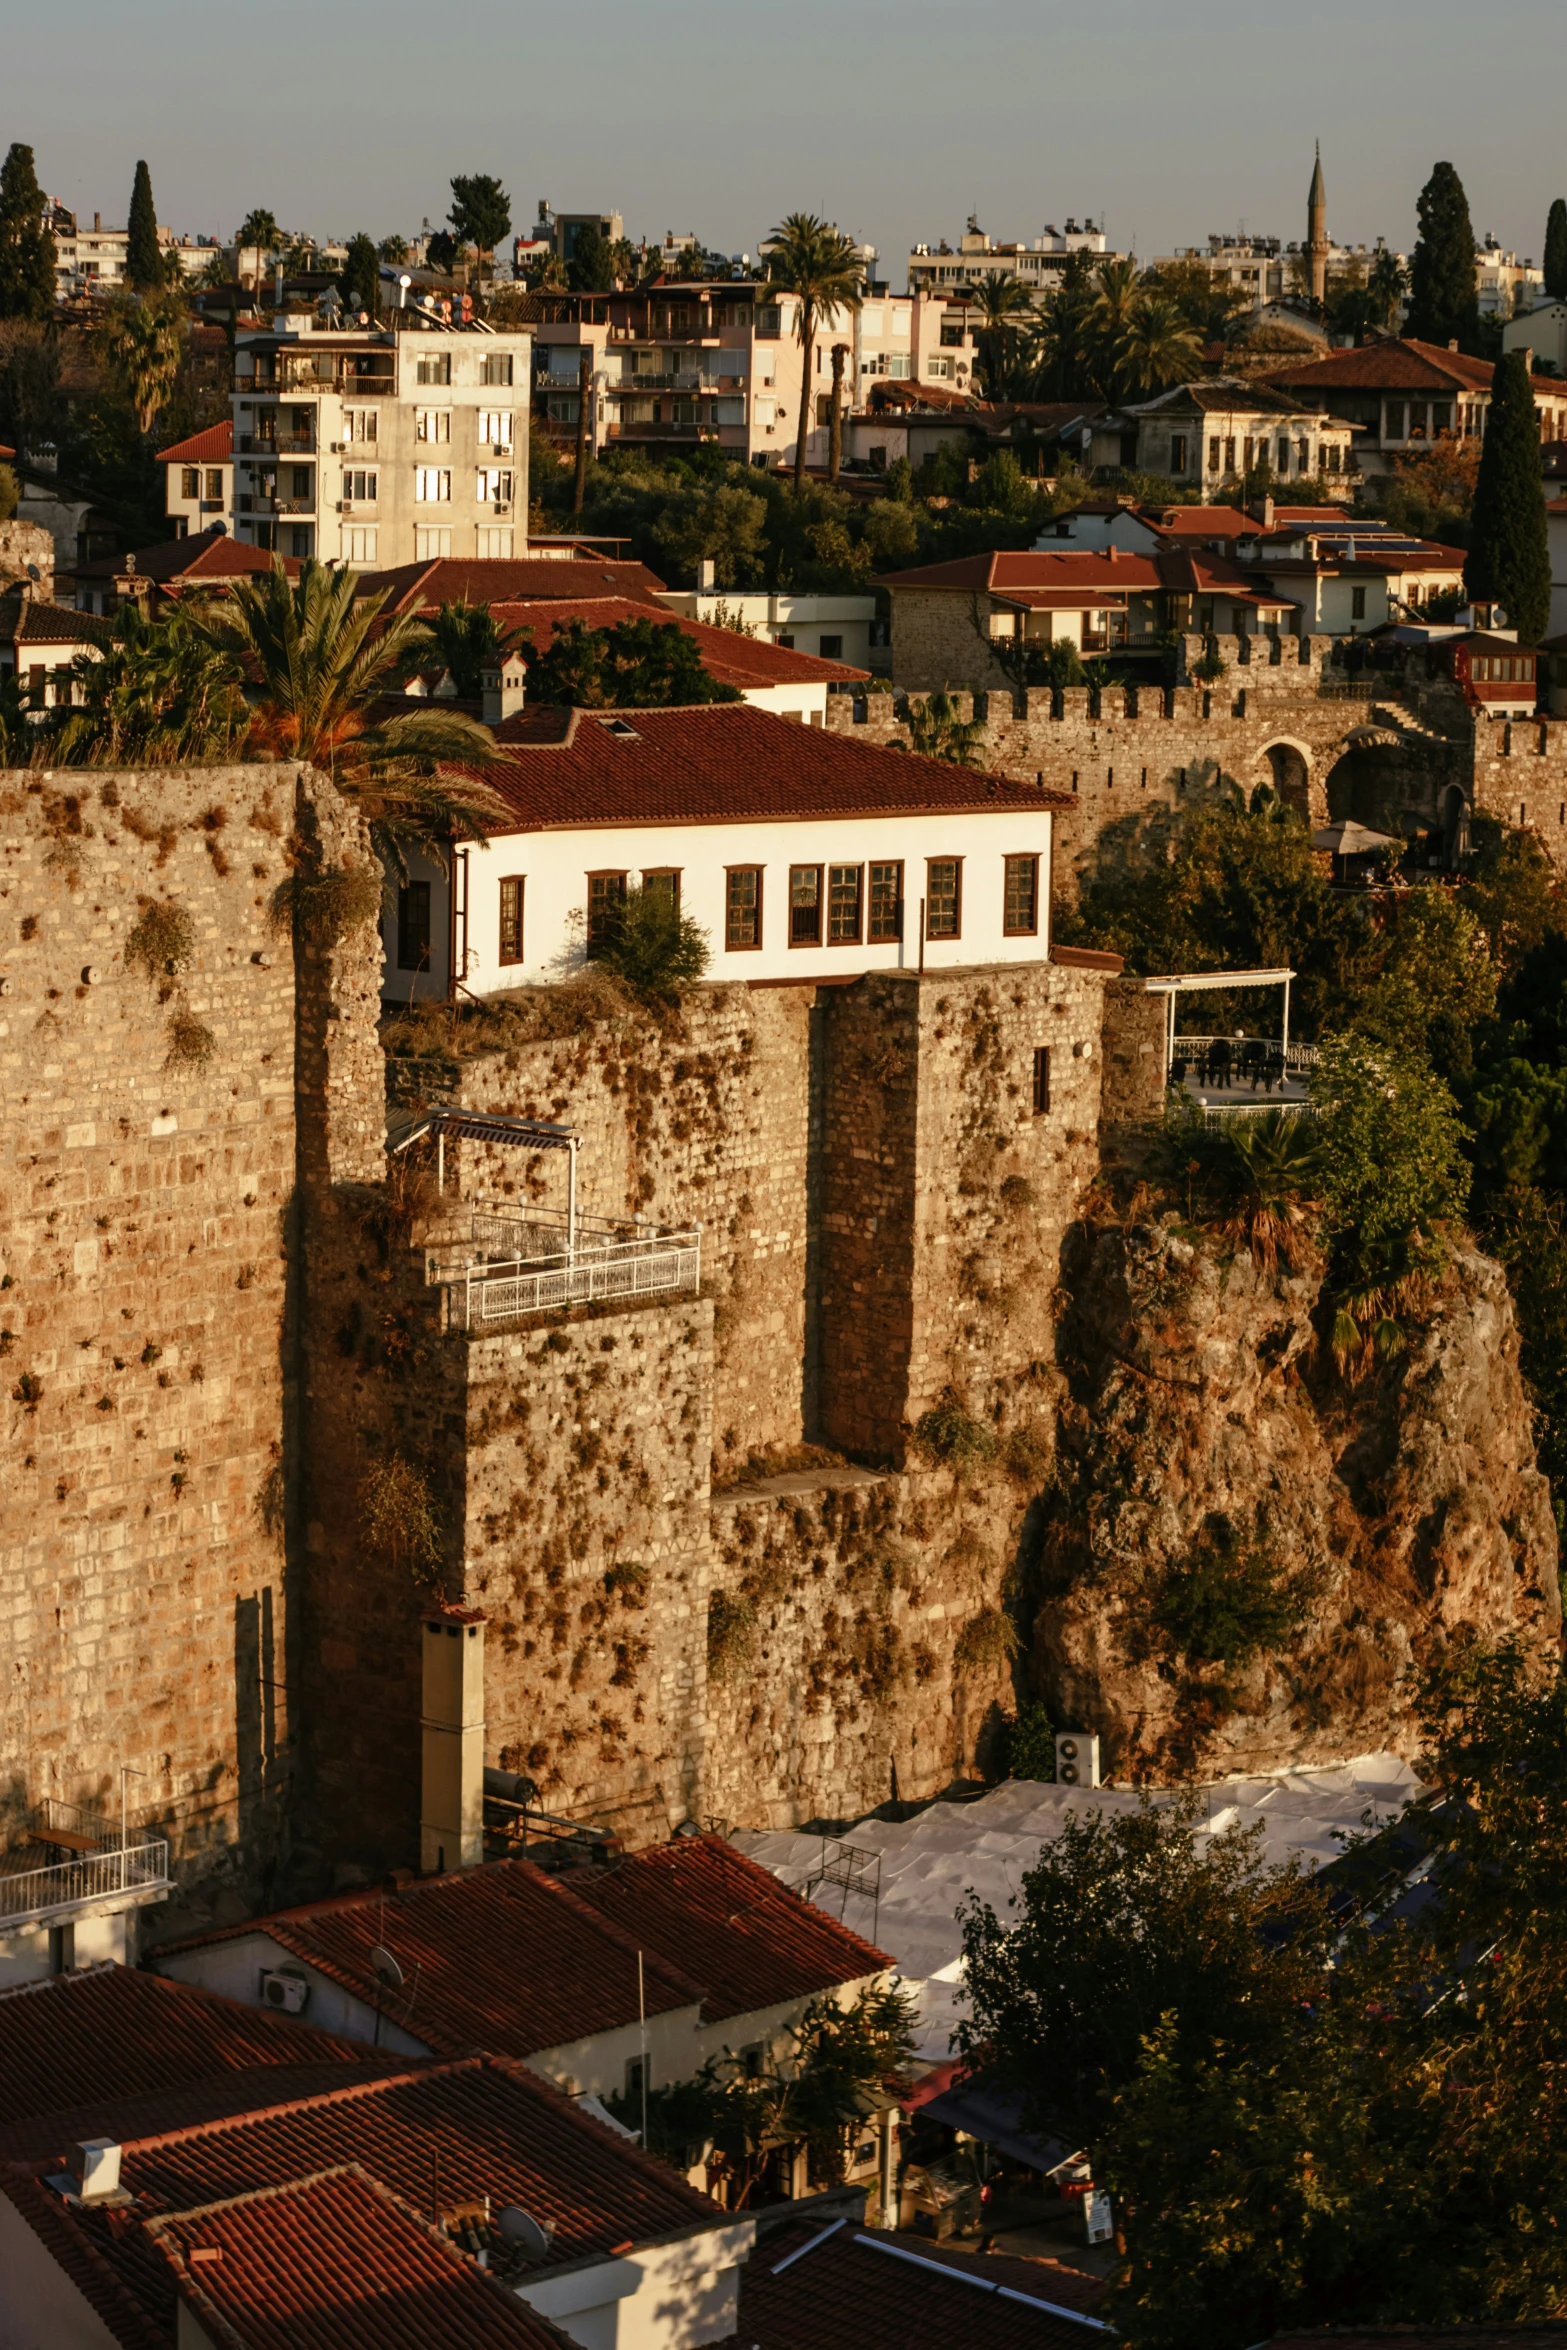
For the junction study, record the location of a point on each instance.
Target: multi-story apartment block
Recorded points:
(947, 268)
(381, 445)
(89, 261)
(1505, 286)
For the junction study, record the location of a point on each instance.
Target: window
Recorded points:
(361, 546)
(432, 485)
(495, 427)
(1041, 1080)
(1178, 452)
(434, 370)
(939, 368)
(190, 481)
(511, 919)
(743, 907)
(786, 640)
(638, 2076)
(495, 544)
(1229, 454)
(1213, 456)
(843, 904)
(494, 485)
(805, 905)
(1398, 420)
(1020, 899)
(496, 369)
(413, 926)
(1335, 458)
(663, 881)
(299, 540)
(886, 903)
(944, 897)
(563, 407)
(1250, 445)
(431, 546)
(1303, 456)
(606, 895)
(769, 318)
(358, 485)
(1357, 603)
(432, 424)
(361, 425)
(832, 648)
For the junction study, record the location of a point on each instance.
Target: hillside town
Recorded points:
(783, 1274)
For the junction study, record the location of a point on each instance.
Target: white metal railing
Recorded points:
(1226, 1112)
(1296, 1056)
(114, 1873)
(531, 1264)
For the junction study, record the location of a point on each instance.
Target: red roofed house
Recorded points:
(805, 855)
(1405, 395)
(210, 563)
(198, 476)
(522, 579)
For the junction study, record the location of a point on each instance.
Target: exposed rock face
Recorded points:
(1204, 1418)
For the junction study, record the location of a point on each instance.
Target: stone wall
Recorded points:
(26, 547)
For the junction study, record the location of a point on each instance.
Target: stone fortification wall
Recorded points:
(149, 1160)
(1520, 778)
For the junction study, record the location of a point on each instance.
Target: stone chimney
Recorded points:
(504, 685)
(451, 1789)
(704, 575)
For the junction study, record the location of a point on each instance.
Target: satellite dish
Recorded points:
(384, 1965)
(523, 2233)
(33, 571)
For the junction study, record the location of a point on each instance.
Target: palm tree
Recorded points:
(840, 352)
(466, 641)
(320, 669)
(815, 262)
(1116, 297)
(1158, 348)
(1005, 305)
(1387, 283)
(154, 697)
(143, 342)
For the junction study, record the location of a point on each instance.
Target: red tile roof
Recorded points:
(1399, 367)
(422, 587)
(213, 556)
(79, 2252)
(733, 659)
(852, 2292)
(215, 446)
(724, 762)
(1208, 522)
(24, 620)
(514, 1961)
(77, 2043)
(333, 2261)
(1040, 579)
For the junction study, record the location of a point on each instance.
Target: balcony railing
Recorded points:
(106, 1872)
(261, 444)
(684, 379)
(529, 1265)
(651, 431)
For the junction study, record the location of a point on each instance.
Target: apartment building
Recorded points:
(92, 260)
(946, 268)
(376, 446)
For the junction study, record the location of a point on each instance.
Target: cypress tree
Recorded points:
(1443, 293)
(361, 278)
(1509, 560)
(143, 257)
(1556, 249)
(26, 245)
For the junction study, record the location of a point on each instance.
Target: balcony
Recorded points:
(73, 1865)
(262, 444)
(684, 379)
(654, 432)
(515, 1265)
(261, 505)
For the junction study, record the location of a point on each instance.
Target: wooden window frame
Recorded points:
(670, 873)
(1021, 857)
(518, 882)
(424, 961)
(858, 936)
(895, 937)
(820, 872)
(1041, 1081)
(752, 946)
(602, 873)
(937, 937)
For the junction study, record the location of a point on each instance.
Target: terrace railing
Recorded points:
(111, 1873)
(520, 1265)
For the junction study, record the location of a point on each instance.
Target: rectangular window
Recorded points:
(497, 368)
(944, 897)
(413, 926)
(190, 481)
(843, 904)
(432, 424)
(886, 903)
(805, 905)
(358, 485)
(495, 428)
(1020, 899)
(431, 546)
(1041, 1080)
(511, 919)
(1178, 452)
(1229, 454)
(494, 485)
(1398, 420)
(360, 546)
(1249, 447)
(832, 648)
(743, 907)
(1303, 456)
(496, 544)
(1213, 456)
(606, 895)
(432, 485)
(663, 881)
(1357, 603)
(434, 370)
(360, 425)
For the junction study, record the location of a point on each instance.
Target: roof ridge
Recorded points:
(323, 2097)
(96, 1966)
(158, 2222)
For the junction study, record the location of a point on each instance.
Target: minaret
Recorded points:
(1317, 232)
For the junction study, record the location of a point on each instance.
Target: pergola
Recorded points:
(1177, 983)
(528, 1134)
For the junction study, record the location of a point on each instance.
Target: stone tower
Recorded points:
(1317, 232)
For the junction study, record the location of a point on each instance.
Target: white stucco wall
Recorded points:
(40, 2308)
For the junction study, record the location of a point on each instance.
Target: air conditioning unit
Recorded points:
(287, 1992)
(1077, 1759)
(336, 448)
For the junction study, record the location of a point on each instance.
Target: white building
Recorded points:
(805, 855)
(92, 260)
(198, 477)
(833, 628)
(944, 268)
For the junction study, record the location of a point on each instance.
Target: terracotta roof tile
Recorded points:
(334, 2262)
(215, 446)
(213, 556)
(1407, 365)
(423, 587)
(733, 659)
(852, 2293)
(723, 761)
(78, 2253)
(24, 620)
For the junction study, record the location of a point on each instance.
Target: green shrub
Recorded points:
(988, 1641)
(1031, 1744)
(163, 942)
(191, 1042)
(324, 907)
(1226, 1603)
(1028, 1453)
(953, 1437)
(731, 1635)
(652, 947)
(397, 1517)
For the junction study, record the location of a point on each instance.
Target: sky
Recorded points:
(896, 118)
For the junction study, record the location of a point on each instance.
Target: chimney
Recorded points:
(704, 575)
(94, 2164)
(97, 220)
(504, 686)
(451, 1798)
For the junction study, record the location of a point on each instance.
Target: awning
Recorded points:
(1178, 982)
(528, 1134)
(1349, 839)
(995, 2118)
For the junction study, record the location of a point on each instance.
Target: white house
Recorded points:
(805, 856)
(833, 628)
(198, 476)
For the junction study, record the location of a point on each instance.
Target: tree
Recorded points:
(143, 341)
(1158, 347)
(1109, 322)
(1509, 557)
(259, 228)
(815, 262)
(155, 696)
(1393, 1173)
(361, 278)
(1443, 300)
(652, 945)
(1387, 282)
(466, 641)
(637, 665)
(480, 213)
(320, 666)
(29, 383)
(840, 352)
(393, 251)
(26, 246)
(591, 269)
(144, 268)
(1006, 310)
(936, 731)
(1556, 250)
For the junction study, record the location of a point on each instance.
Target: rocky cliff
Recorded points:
(1244, 1560)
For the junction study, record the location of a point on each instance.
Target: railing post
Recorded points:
(571, 1202)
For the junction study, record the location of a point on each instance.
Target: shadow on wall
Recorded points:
(258, 1768)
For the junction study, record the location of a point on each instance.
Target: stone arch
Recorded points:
(1290, 767)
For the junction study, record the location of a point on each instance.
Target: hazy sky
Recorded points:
(896, 117)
